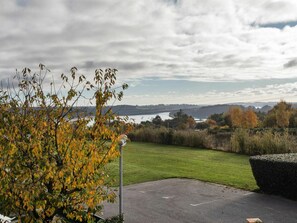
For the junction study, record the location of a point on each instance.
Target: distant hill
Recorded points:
(205, 111)
(139, 110)
(197, 111)
(150, 109)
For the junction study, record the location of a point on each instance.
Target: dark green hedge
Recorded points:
(276, 174)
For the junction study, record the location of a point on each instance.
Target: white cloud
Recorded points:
(196, 40)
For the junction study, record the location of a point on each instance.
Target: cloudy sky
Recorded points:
(168, 51)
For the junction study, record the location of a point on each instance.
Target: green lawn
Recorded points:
(147, 162)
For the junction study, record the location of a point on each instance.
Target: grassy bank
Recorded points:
(147, 162)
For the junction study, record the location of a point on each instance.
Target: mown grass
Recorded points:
(147, 162)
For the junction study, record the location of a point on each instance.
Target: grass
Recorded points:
(147, 162)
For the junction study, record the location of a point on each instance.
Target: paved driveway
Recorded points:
(183, 200)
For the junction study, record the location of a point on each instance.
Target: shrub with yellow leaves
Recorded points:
(51, 166)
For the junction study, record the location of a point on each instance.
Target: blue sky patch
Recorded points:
(278, 25)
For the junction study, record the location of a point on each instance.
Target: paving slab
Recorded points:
(185, 200)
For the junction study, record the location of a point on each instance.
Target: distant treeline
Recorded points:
(240, 130)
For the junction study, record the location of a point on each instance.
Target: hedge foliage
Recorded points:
(242, 141)
(115, 219)
(199, 139)
(262, 142)
(276, 174)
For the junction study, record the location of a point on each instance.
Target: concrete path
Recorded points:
(183, 200)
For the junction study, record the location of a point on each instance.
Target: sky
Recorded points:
(168, 51)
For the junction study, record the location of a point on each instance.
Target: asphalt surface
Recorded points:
(183, 200)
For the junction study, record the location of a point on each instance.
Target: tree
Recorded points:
(243, 119)
(270, 120)
(218, 118)
(182, 121)
(157, 120)
(191, 123)
(293, 119)
(250, 119)
(279, 115)
(202, 125)
(50, 166)
(283, 112)
(236, 116)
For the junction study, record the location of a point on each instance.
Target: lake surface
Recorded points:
(143, 118)
(137, 119)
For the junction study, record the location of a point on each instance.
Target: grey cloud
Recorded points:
(133, 66)
(250, 62)
(77, 6)
(142, 38)
(230, 60)
(276, 5)
(22, 3)
(291, 63)
(8, 83)
(171, 66)
(89, 65)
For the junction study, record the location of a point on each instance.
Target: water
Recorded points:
(137, 119)
(143, 118)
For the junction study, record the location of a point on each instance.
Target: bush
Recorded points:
(166, 137)
(116, 219)
(240, 141)
(94, 219)
(264, 142)
(198, 139)
(221, 140)
(189, 138)
(276, 174)
(49, 167)
(150, 134)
